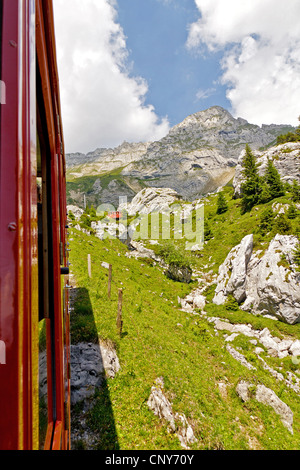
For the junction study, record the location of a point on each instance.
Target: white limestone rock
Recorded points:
(295, 348)
(268, 284)
(273, 282)
(151, 200)
(232, 273)
(239, 357)
(268, 397)
(162, 407)
(89, 362)
(77, 211)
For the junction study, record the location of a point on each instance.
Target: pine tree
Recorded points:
(251, 188)
(265, 195)
(273, 180)
(222, 205)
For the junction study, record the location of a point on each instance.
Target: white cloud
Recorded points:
(261, 60)
(102, 105)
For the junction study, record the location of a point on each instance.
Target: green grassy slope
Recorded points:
(159, 339)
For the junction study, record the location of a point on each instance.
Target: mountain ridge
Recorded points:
(205, 118)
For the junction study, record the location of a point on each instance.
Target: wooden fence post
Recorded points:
(109, 280)
(89, 266)
(119, 317)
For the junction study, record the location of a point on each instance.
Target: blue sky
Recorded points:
(132, 69)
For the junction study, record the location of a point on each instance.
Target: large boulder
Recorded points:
(233, 272)
(179, 273)
(151, 200)
(273, 282)
(265, 284)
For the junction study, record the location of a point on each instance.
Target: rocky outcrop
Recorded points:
(233, 272)
(273, 282)
(162, 407)
(89, 363)
(190, 173)
(151, 200)
(194, 300)
(267, 397)
(265, 284)
(76, 211)
(104, 160)
(179, 273)
(285, 158)
(274, 346)
(138, 250)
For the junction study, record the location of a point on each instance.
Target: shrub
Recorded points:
(231, 303)
(292, 212)
(71, 215)
(297, 256)
(289, 137)
(266, 221)
(171, 255)
(282, 225)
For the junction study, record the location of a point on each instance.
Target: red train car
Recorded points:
(34, 317)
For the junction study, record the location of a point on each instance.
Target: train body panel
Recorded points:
(33, 294)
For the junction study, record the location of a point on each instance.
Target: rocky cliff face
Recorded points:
(196, 157)
(105, 160)
(286, 159)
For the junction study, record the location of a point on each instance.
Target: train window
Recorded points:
(45, 269)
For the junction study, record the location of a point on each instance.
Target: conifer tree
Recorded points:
(265, 195)
(273, 180)
(295, 191)
(208, 235)
(251, 187)
(222, 205)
